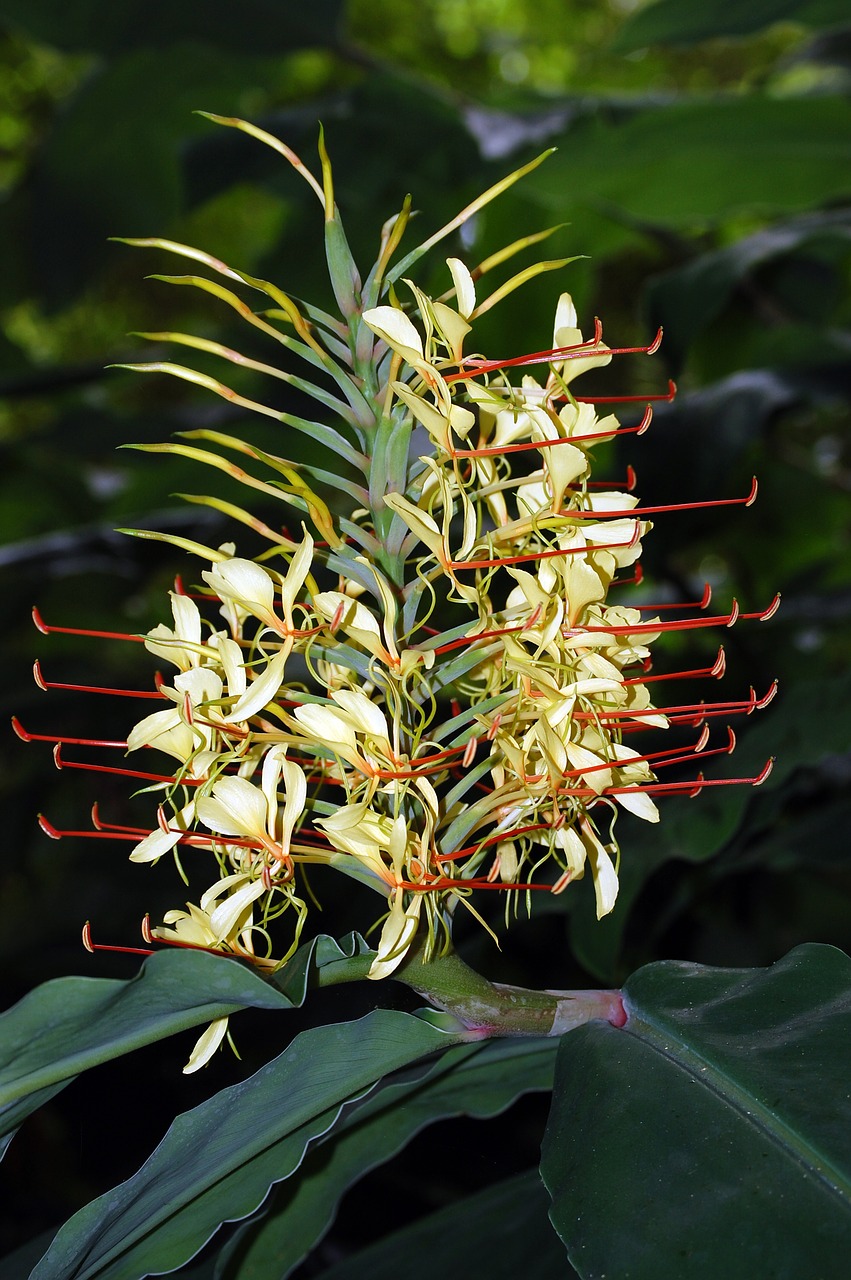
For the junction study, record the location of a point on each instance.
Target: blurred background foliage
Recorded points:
(702, 169)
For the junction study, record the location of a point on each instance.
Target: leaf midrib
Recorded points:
(660, 1037)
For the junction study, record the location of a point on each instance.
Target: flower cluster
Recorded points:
(437, 692)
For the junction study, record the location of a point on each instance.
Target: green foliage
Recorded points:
(715, 1132)
(702, 168)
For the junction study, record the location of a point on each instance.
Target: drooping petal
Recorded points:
(398, 933)
(206, 1045)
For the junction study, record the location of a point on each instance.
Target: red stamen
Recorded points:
(629, 483)
(546, 555)
(79, 631)
(716, 671)
(555, 355)
(667, 396)
(99, 824)
(684, 624)
(124, 773)
(90, 688)
(703, 603)
(499, 450)
(667, 788)
(26, 736)
(100, 946)
(682, 714)
(681, 506)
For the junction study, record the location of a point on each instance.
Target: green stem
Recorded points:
(494, 1009)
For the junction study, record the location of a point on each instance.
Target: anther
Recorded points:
(339, 614)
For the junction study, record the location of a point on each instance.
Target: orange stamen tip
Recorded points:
(771, 610)
(645, 421)
(656, 343)
(769, 765)
(20, 730)
(763, 702)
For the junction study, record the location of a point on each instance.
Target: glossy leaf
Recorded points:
(218, 1161)
(712, 1135)
(68, 1025)
(478, 1081)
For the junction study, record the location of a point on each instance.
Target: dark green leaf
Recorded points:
(693, 162)
(476, 1081)
(68, 1025)
(712, 1135)
(687, 299)
(502, 1233)
(672, 22)
(218, 1161)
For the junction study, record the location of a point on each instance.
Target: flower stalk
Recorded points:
(427, 680)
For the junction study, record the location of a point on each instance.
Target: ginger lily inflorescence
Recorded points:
(430, 678)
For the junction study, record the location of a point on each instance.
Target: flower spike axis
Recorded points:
(313, 715)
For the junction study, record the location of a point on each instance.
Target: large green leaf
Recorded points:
(672, 22)
(71, 1024)
(218, 1161)
(712, 1135)
(694, 162)
(478, 1081)
(502, 1232)
(688, 298)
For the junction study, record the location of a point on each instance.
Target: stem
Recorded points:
(494, 1009)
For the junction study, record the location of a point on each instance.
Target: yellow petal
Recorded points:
(398, 933)
(206, 1045)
